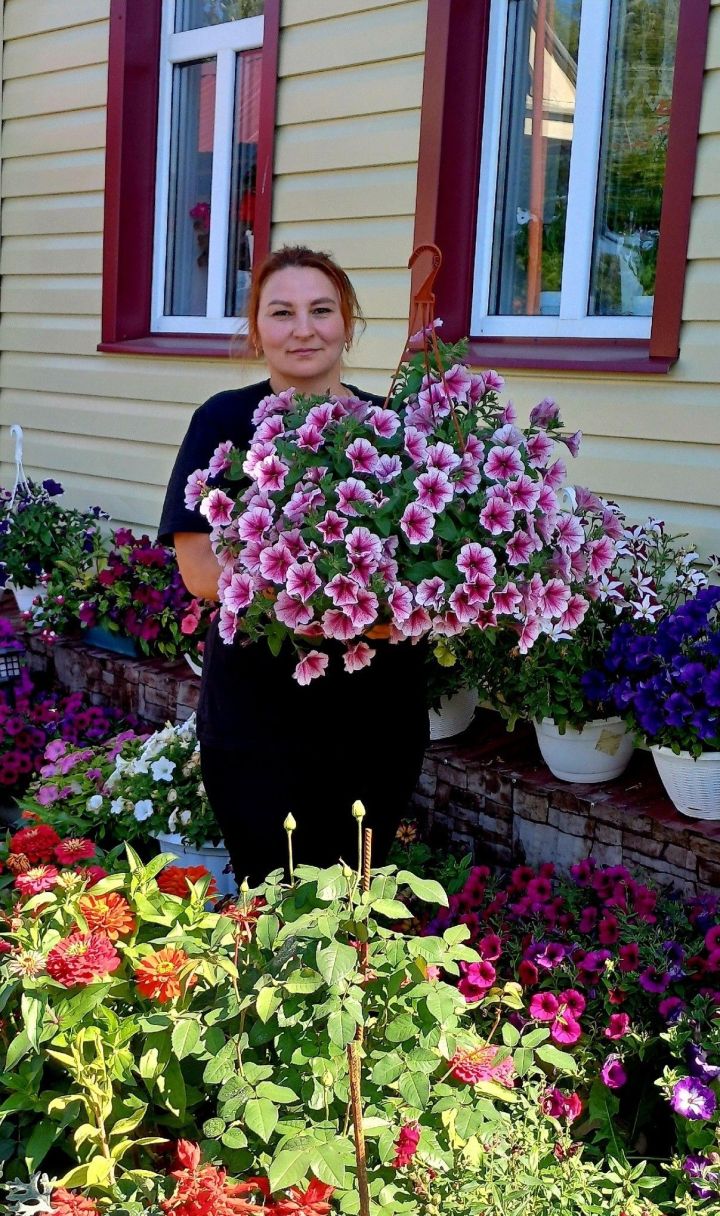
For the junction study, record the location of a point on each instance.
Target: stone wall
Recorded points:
(488, 793)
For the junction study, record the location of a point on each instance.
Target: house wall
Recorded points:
(346, 152)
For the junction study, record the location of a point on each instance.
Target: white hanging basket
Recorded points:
(192, 664)
(26, 596)
(214, 857)
(599, 752)
(693, 786)
(454, 714)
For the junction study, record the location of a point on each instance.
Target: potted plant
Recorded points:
(131, 600)
(423, 518)
(643, 264)
(667, 684)
(41, 536)
(558, 684)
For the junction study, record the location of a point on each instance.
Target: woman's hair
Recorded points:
(299, 255)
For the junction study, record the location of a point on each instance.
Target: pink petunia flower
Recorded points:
(337, 624)
(239, 592)
(601, 554)
(443, 457)
(503, 463)
(220, 459)
(363, 456)
(417, 524)
(388, 468)
(519, 548)
(475, 561)
(195, 488)
(309, 438)
(383, 422)
(497, 516)
(434, 490)
(574, 613)
(254, 524)
(270, 474)
(332, 527)
(352, 494)
(358, 656)
(523, 493)
(430, 593)
(566, 1029)
(311, 667)
(507, 598)
(275, 562)
(363, 612)
(570, 534)
(217, 508)
(292, 612)
(342, 590)
(400, 602)
(302, 580)
(618, 1026)
(553, 598)
(539, 448)
(544, 1007)
(270, 429)
(416, 624)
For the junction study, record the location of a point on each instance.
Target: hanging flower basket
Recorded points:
(453, 715)
(599, 752)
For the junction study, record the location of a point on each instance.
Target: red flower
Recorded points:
(618, 1026)
(312, 1202)
(37, 879)
(92, 874)
(67, 1203)
(246, 917)
(174, 880)
(110, 913)
(82, 958)
(527, 974)
(205, 1192)
(159, 975)
(75, 848)
(37, 843)
(406, 1145)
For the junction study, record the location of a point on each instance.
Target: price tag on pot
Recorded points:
(609, 741)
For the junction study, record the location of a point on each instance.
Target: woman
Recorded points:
(269, 746)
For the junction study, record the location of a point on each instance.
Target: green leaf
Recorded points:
(276, 1093)
(261, 1117)
(386, 1070)
(234, 1138)
(185, 1037)
(535, 1037)
(442, 1002)
(213, 1128)
(561, 1060)
(335, 961)
(171, 1087)
(426, 889)
(522, 1059)
(268, 1000)
(19, 1047)
(267, 930)
(328, 1166)
(302, 985)
(41, 1139)
(510, 1034)
(95, 1173)
(289, 1167)
(391, 908)
(456, 934)
(341, 1028)
(400, 1029)
(415, 1089)
(32, 1010)
(223, 1065)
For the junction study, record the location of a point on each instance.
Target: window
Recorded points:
(559, 161)
(188, 193)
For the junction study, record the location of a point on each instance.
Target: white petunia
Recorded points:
(185, 818)
(162, 769)
(143, 810)
(172, 821)
(94, 803)
(116, 806)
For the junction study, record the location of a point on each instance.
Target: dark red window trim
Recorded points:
(448, 173)
(133, 78)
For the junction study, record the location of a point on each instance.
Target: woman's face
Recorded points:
(302, 330)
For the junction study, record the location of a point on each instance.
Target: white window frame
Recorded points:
(573, 321)
(223, 42)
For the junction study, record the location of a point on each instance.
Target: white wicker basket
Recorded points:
(693, 786)
(454, 714)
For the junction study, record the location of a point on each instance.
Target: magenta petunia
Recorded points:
(434, 490)
(253, 525)
(441, 456)
(332, 527)
(302, 580)
(358, 656)
(503, 463)
(570, 534)
(337, 624)
(507, 598)
(270, 474)
(618, 1026)
(475, 560)
(497, 516)
(416, 445)
(195, 488)
(430, 593)
(292, 612)
(311, 667)
(519, 548)
(417, 524)
(383, 422)
(363, 456)
(612, 1073)
(388, 468)
(275, 562)
(693, 1100)
(565, 1029)
(544, 1006)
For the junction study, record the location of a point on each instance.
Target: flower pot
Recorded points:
(24, 596)
(693, 786)
(214, 857)
(105, 639)
(598, 752)
(454, 714)
(192, 664)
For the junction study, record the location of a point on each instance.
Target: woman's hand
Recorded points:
(199, 567)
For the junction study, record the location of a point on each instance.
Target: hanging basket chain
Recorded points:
(21, 481)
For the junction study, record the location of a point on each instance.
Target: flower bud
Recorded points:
(327, 1080)
(347, 872)
(289, 823)
(244, 887)
(358, 811)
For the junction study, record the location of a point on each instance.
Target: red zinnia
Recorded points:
(158, 975)
(174, 880)
(75, 848)
(37, 843)
(82, 958)
(67, 1203)
(37, 879)
(477, 1064)
(110, 913)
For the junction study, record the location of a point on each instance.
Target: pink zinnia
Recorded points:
(75, 848)
(309, 668)
(37, 879)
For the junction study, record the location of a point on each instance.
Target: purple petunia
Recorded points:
(693, 1100)
(613, 1073)
(697, 1167)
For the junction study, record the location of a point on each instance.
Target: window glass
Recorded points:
(632, 164)
(536, 140)
(194, 14)
(242, 182)
(191, 161)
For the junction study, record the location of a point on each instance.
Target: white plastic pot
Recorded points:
(24, 596)
(214, 857)
(693, 786)
(454, 714)
(599, 752)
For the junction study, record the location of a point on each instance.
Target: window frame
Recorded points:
(447, 209)
(130, 183)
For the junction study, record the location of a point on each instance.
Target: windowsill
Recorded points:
(189, 346)
(625, 356)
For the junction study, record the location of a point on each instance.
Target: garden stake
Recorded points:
(353, 1051)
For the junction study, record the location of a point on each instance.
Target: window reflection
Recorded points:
(195, 14)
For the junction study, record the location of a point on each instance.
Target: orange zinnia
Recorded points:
(158, 975)
(174, 880)
(111, 913)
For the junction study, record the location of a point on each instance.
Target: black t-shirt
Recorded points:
(248, 697)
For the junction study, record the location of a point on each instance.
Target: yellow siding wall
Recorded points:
(346, 151)
(348, 105)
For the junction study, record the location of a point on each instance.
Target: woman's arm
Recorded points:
(199, 567)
